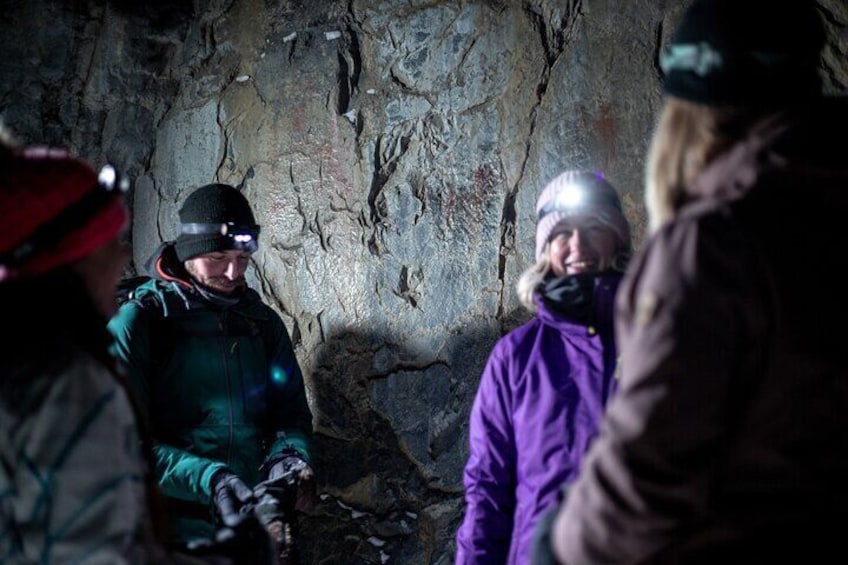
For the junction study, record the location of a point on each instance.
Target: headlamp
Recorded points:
(110, 180)
(574, 197)
(699, 58)
(242, 236)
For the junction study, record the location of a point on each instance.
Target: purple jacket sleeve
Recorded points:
(489, 476)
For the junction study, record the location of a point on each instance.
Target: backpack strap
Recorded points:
(153, 310)
(126, 288)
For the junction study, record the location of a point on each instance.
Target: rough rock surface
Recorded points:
(393, 151)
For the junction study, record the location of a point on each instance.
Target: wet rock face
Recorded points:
(393, 152)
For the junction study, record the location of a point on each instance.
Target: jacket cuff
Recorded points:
(206, 480)
(277, 457)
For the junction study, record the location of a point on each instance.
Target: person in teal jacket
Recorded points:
(215, 371)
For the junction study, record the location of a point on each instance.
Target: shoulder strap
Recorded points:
(126, 288)
(153, 311)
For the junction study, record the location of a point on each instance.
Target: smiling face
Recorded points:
(220, 271)
(580, 245)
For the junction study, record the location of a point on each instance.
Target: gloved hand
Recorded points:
(230, 494)
(293, 471)
(245, 542)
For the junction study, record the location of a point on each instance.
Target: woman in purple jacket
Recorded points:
(545, 384)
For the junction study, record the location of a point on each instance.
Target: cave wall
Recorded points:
(393, 151)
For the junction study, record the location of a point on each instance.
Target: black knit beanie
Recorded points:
(215, 217)
(749, 52)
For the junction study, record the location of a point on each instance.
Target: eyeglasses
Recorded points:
(110, 184)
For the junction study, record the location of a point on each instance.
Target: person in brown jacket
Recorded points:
(727, 441)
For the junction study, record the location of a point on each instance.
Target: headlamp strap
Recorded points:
(225, 229)
(592, 199)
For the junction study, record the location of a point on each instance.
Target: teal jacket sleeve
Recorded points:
(180, 474)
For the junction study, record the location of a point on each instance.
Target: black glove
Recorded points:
(292, 473)
(230, 495)
(246, 541)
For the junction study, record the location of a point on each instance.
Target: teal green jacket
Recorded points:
(220, 387)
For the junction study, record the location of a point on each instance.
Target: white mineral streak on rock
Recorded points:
(376, 542)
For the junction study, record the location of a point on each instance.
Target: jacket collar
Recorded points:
(588, 302)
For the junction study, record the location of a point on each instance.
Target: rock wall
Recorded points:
(393, 151)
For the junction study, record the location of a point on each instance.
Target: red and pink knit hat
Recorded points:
(53, 211)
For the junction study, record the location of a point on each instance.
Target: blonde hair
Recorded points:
(530, 280)
(687, 138)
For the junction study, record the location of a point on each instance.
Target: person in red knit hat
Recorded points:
(75, 485)
(62, 405)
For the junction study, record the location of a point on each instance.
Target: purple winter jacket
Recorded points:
(538, 405)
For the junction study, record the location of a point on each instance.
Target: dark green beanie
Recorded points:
(756, 53)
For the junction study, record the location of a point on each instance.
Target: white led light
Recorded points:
(570, 196)
(107, 176)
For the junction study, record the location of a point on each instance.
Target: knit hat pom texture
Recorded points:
(36, 186)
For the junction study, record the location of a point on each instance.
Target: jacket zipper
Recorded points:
(224, 351)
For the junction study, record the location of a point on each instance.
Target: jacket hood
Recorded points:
(796, 141)
(167, 272)
(163, 265)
